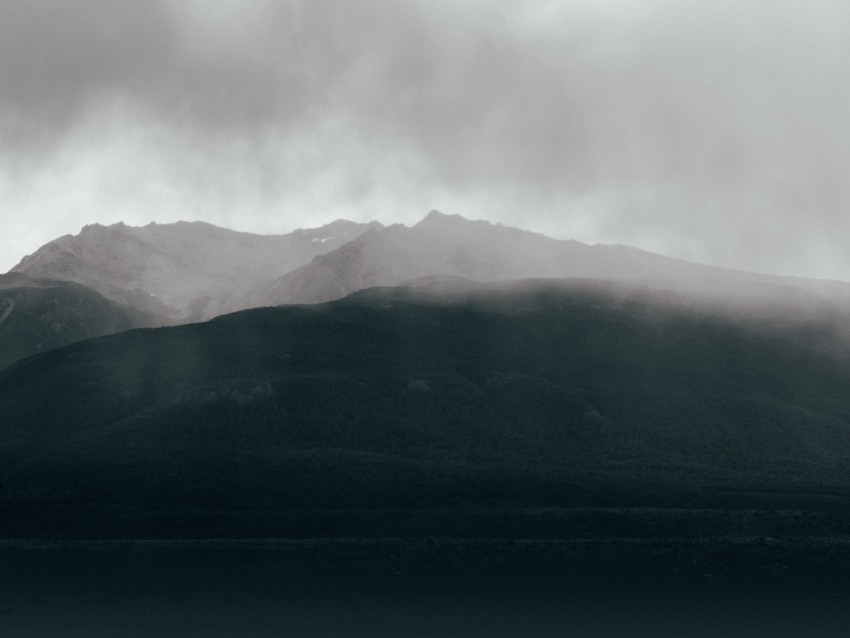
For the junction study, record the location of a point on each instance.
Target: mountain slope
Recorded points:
(451, 245)
(541, 391)
(180, 272)
(37, 315)
(187, 272)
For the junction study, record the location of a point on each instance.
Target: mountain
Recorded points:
(179, 272)
(436, 395)
(37, 315)
(450, 245)
(186, 272)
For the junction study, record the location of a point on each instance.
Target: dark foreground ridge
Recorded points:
(37, 315)
(541, 458)
(440, 410)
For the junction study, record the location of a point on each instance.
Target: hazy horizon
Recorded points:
(715, 132)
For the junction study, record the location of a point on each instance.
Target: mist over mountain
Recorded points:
(179, 272)
(187, 272)
(424, 396)
(450, 245)
(37, 315)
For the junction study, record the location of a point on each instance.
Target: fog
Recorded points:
(710, 131)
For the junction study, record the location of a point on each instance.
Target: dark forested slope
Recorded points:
(37, 315)
(431, 396)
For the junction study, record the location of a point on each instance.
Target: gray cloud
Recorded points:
(58, 57)
(713, 131)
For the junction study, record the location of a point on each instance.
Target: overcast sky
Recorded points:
(713, 130)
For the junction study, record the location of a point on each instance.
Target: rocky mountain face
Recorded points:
(190, 272)
(187, 272)
(449, 245)
(37, 315)
(182, 272)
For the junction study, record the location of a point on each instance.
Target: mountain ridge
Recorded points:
(452, 245)
(38, 314)
(192, 271)
(181, 272)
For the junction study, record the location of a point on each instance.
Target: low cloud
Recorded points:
(713, 131)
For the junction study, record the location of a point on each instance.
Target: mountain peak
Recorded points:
(92, 228)
(435, 218)
(179, 271)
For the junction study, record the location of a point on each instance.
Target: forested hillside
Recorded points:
(560, 392)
